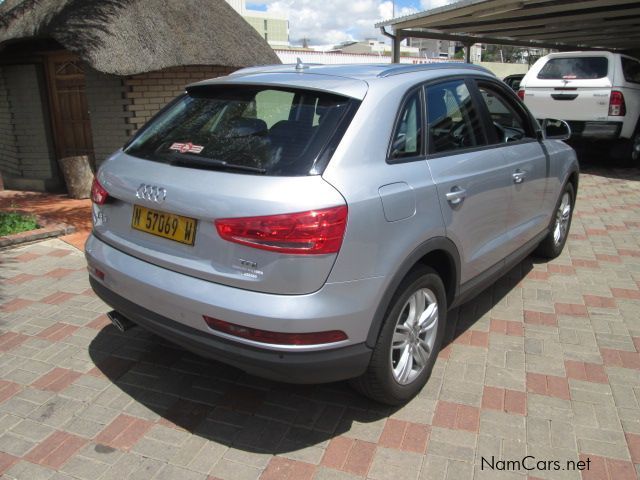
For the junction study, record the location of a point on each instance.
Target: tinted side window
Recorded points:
(407, 137)
(631, 69)
(453, 121)
(510, 124)
(570, 68)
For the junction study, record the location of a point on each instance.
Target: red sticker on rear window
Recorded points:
(187, 147)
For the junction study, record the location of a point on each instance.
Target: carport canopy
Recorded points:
(562, 25)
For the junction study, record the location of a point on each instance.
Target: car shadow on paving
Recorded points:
(221, 403)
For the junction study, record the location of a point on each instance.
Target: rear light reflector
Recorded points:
(521, 94)
(312, 232)
(277, 338)
(617, 107)
(96, 271)
(99, 195)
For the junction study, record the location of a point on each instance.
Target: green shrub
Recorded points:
(12, 222)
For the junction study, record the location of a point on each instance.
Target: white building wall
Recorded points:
(335, 58)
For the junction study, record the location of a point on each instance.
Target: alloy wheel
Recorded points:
(414, 336)
(563, 215)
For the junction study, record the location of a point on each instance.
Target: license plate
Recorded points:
(163, 224)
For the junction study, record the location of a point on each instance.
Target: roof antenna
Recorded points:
(300, 65)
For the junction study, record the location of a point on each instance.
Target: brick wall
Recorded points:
(34, 147)
(149, 92)
(9, 162)
(118, 106)
(107, 106)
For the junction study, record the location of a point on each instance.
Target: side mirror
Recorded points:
(556, 129)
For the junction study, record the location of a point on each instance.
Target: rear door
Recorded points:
(571, 88)
(473, 181)
(515, 139)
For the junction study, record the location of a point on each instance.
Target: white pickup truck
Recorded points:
(596, 92)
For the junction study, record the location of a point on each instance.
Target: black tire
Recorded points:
(632, 154)
(627, 151)
(378, 382)
(549, 247)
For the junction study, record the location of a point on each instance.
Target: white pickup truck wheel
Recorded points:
(634, 153)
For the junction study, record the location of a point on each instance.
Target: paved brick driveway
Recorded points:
(546, 363)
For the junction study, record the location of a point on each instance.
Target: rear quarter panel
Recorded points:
(373, 245)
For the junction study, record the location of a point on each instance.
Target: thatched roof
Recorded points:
(126, 37)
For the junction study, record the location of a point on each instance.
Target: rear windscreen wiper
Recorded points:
(197, 161)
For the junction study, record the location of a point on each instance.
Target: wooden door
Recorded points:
(69, 108)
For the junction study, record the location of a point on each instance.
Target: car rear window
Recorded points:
(249, 129)
(574, 68)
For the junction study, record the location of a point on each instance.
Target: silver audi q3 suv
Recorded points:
(315, 223)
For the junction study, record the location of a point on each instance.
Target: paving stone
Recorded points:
(27, 470)
(131, 466)
(549, 408)
(325, 473)
(207, 457)
(167, 435)
(505, 378)
(418, 410)
(605, 449)
(390, 464)
(101, 453)
(30, 430)
(56, 412)
(170, 472)
(228, 470)
(311, 454)
(456, 444)
(590, 392)
(368, 431)
(15, 445)
(84, 468)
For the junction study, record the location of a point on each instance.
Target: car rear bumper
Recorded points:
(595, 130)
(171, 305)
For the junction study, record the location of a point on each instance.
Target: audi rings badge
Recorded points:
(151, 193)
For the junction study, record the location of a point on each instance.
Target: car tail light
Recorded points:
(312, 232)
(521, 94)
(278, 338)
(617, 107)
(99, 195)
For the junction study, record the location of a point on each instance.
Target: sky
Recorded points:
(329, 22)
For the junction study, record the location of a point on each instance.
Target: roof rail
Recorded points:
(400, 69)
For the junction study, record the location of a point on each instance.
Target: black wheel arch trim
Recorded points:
(573, 170)
(452, 286)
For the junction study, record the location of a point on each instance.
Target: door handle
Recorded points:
(518, 176)
(456, 195)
